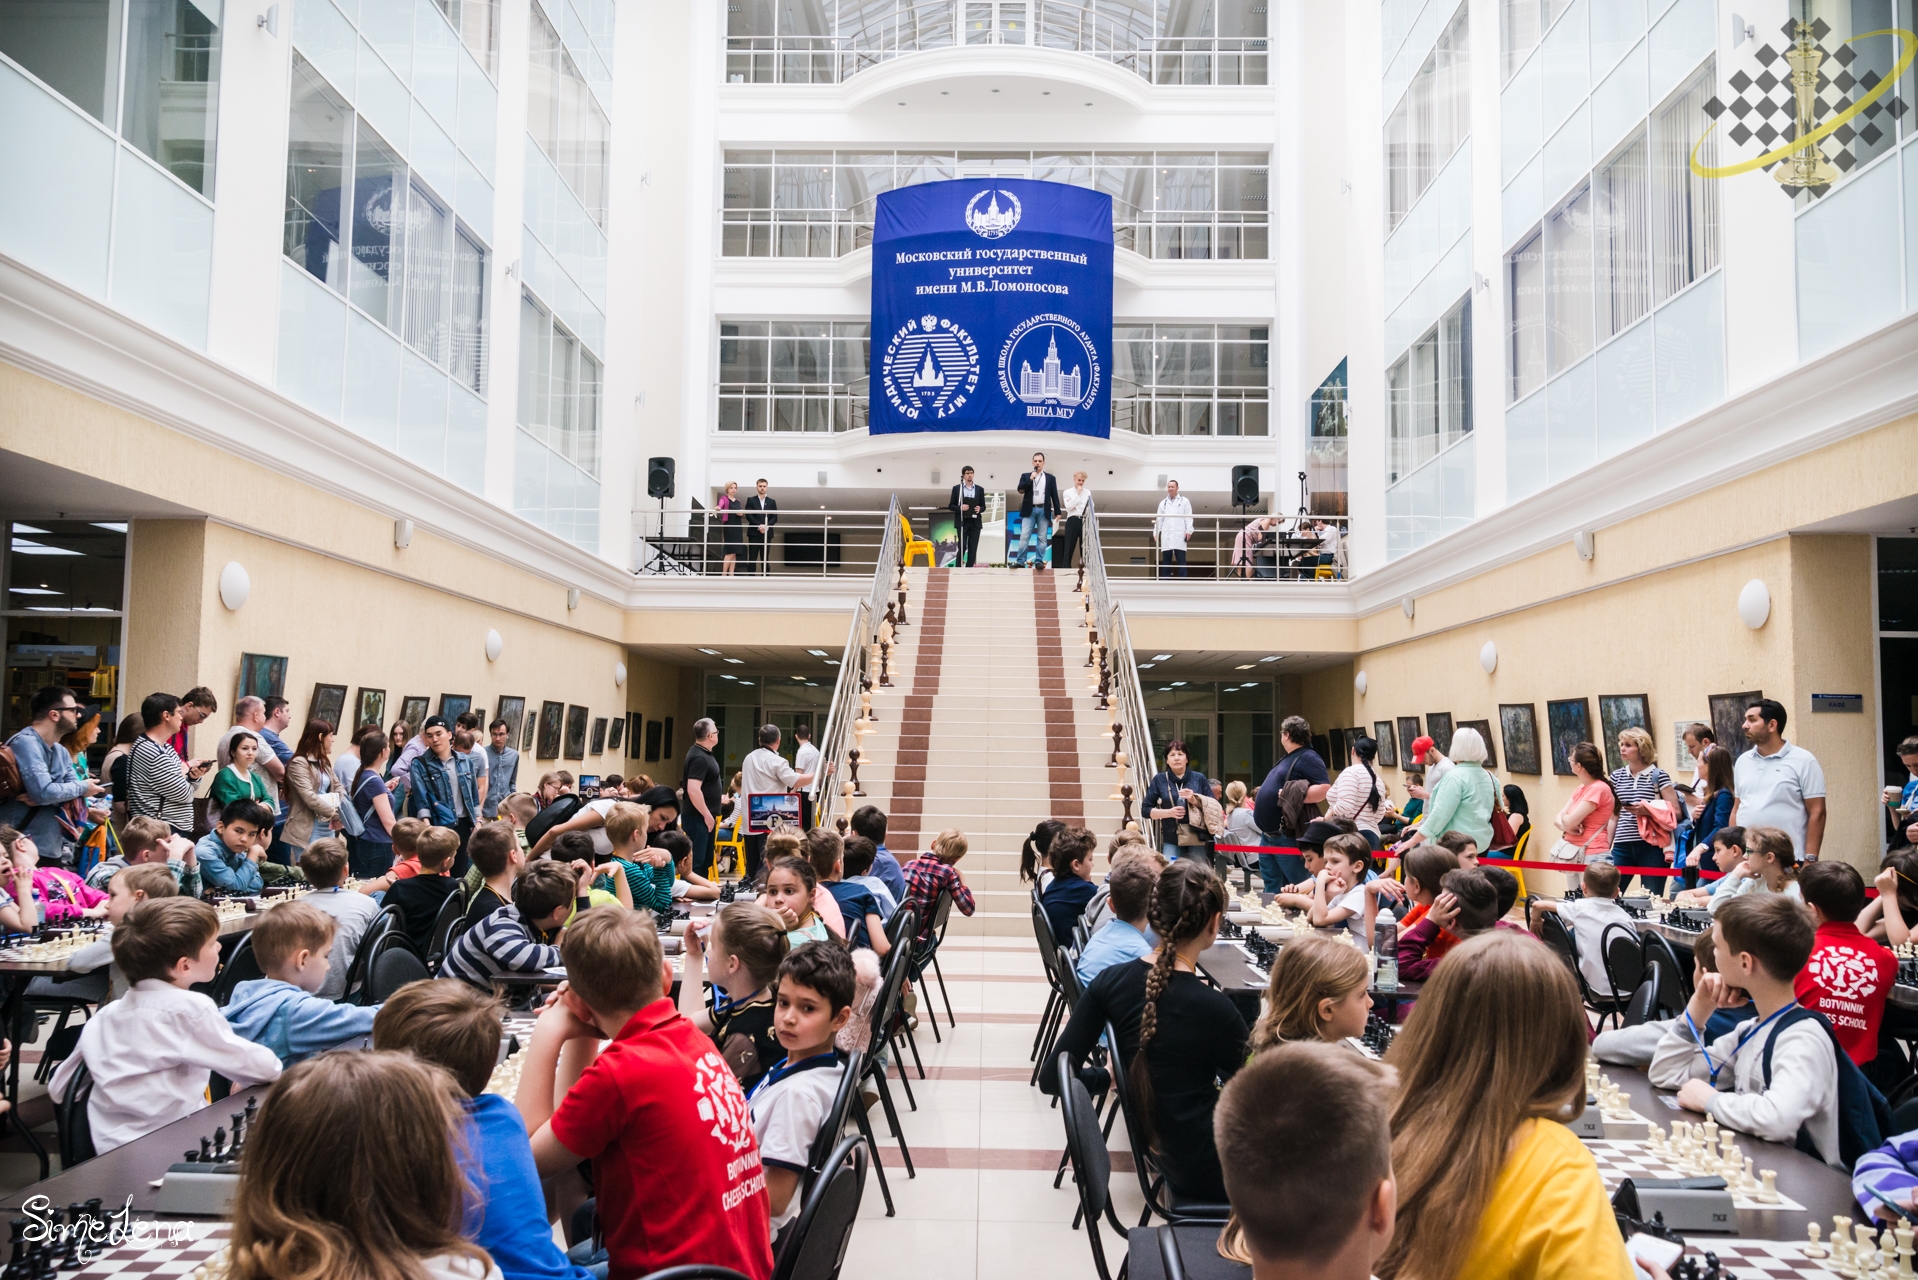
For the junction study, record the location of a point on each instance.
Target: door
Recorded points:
(997, 21)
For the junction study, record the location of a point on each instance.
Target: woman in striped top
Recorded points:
(158, 785)
(1636, 785)
(1358, 794)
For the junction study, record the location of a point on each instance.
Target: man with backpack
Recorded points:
(36, 773)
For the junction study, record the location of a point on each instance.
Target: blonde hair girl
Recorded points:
(1319, 991)
(742, 951)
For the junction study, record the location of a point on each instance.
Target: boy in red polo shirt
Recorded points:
(1848, 975)
(657, 1111)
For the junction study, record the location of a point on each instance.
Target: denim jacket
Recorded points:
(47, 781)
(433, 781)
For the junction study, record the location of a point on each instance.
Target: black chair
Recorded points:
(1091, 1165)
(241, 966)
(885, 1007)
(1159, 1198)
(925, 951)
(1553, 933)
(833, 1127)
(1643, 1006)
(382, 924)
(1677, 969)
(1623, 951)
(392, 965)
(816, 1249)
(70, 1116)
(900, 931)
(452, 912)
(67, 993)
(1050, 1021)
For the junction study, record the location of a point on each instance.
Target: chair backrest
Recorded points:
(1624, 955)
(241, 966)
(1048, 946)
(1553, 933)
(1171, 1257)
(1643, 1006)
(885, 1007)
(1069, 985)
(1122, 1089)
(832, 1127)
(380, 925)
(817, 1247)
(452, 911)
(1676, 970)
(1091, 1162)
(901, 929)
(394, 965)
(76, 1128)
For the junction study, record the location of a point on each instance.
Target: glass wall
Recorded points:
(1165, 204)
(1429, 122)
(556, 479)
(1429, 393)
(65, 586)
(1191, 379)
(1229, 728)
(1326, 445)
(740, 705)
(565, 121)
(784, 375)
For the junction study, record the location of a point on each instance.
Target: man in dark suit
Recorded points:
(968, 507)
(761, 516)
(1038, 504)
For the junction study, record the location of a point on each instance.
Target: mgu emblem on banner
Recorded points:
(992, 221)
(931, 368)
(1064, 381)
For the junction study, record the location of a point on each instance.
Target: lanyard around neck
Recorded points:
(786, 1067)
(1742, 1040)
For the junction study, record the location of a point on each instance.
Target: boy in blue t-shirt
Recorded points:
(865, 926)
(458, 1027)
(294, 945)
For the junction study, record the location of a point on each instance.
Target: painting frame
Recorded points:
(635, 734)
(1518, 734)
(615, 734)
(1728, 718)
(1569, 722)
(655, 734)
(552, 724)
(455, 705)
(576, 720)
(1340, 752)
(262, 675)
(413, 709)
(666, 751)
(1484, 728)
(1410, 731)
(598, 746)
(1618, 712)
(1388, 743)
(1439, 728)
(513, 711)
(1682, 758)
(369, 708)
(328, 704)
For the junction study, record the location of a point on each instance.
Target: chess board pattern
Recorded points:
(1620, 1160)
(1763, 107)
(1747, 1259)
(152, 1258)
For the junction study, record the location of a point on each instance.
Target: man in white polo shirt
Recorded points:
(1777, 784)
(764, 770)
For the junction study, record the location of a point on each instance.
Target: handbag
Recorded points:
(1564, 850)
(350, 820)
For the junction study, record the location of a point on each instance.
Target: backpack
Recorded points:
(1864, 1117)
(561, 810)
(12, 785)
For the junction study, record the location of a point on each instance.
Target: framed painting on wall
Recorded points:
(262, 676)
(1484, 728)
(1570, 722)
(653, 737)
(1388, 744)
(413, 712)
(599, 737)
(1409, 732)
(1728, 718)
(1682, 757)
(576, 732)
(1618, 712)
(552, 716)
(1518, 727)
(635, 733)
(615, 732)
(1339, 753)
(455, 705)
(329, 703)
(369, 708)
(1438, 726)
(513, 712)
(666, 746)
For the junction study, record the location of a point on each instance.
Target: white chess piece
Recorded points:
(1867, 1245)
(1841, 1241)
(1768, 1194)
(1903, 1237)
(1814, 1249)
(1748, 1181)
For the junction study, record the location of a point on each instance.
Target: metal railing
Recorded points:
(1124, 690)
(1044, 24)
(1286, 548)
(806, 542)
(855, 665)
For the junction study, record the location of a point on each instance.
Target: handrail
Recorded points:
(854, 663)
(1109, 616)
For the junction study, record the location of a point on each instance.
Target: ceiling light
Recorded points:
(713, 652)
(745, 684)
(1147, 666)
(32, 591)
(23, 547)
(1160, 657)
(111, 526)
(1178, 684)
(1271, 657)
(817, 653)
(54, 608)
(1243, 666)
(737, 662)
(724, 676)
(28, 528)
(832, 662)
(798, 677)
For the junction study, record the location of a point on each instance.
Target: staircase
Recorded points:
(989, 727)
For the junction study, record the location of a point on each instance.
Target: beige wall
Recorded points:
(165, 597)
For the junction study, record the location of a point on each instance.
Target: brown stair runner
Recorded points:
(915, 719)
(1062, 747)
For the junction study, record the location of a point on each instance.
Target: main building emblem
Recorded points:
(994, 220)
(930, 368)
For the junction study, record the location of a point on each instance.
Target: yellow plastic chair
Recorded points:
(915, 546)
(737, 846)
(1518, 855)
(1325, 573)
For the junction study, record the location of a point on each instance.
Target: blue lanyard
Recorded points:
(786, 1067)
(724, 1004)
(1699, 1039)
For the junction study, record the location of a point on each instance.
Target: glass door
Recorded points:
(996, 21)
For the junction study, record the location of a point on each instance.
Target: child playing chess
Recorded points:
(648, 872)
(688, 884)
(787, 844)
(406, 850)
(930, 872)
(1123, 937)
(1491, 1185)
(420, 897)
(1897, 885)
(519, 936)
(1467, 905)
(325, 863)
(1342, 896)
(816, 986)
(145, 840)
(452, 1025)
(858, 861)
(1848, 975)
(349, 1171)
(1319, 991)
(497, 862)
(18, 911)
(293, 943)
(60, 895)
(659, 1086)
(1770, 866)
(865, 927)
(1590, 917)
(1424, 866)
(791, 892)
(127, 890)
(740, 954)
(1330, 1217)
(1776, 1075)
(230, 855)
(1635, 1046)
(1460, 846)
(150, 1053)
(1065, 898)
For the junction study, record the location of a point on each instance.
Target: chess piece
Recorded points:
(1841, 1247)
(1768, 1193)
(852, 762)
(1902, 1235)
(885, 664)
(902, 622)
(1748, 1180)
(1814, 1249)
(1125, 798)
(206, 1150)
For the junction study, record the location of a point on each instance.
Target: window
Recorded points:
(1430, 121)
(1684, 205)
(1326, 447)
(1623, 235)
(1525, 284)
(1430, 393)
(1568, 282)
(1191, 379)
(477, 21)
(1166, 204)
(1523, 24)
(170, 107)
(559, 387)
(565, 120)
(793, 375)
(358, 219)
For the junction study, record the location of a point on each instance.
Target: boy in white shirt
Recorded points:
(815, 990)
(325, 865)
(151, 1052)
(1760, 942)
(129, 887)
(1589, 917)
(1340, 895)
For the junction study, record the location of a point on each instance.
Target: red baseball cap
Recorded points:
(1420, 746)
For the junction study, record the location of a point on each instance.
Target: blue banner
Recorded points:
(992, 308)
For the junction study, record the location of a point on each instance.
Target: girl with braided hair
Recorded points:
(1180, 1039)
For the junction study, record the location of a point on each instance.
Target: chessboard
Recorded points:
(188, 1250)
(53, 944)
(1762, 1260)
(1620, 1160)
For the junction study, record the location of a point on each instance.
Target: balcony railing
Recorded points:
(1283, 548)
(807, 542)
(1038, 24)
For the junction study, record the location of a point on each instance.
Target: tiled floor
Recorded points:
(985, 1142)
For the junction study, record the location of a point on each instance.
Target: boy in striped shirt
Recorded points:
(523, 935)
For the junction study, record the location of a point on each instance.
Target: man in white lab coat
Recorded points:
(1173, 529)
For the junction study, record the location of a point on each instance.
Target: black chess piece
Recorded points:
(18, 1252)
(95, 1243)
(252, 1109)
(219, 1143)
(206, 1150)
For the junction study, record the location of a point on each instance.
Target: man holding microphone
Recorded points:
(968, 507)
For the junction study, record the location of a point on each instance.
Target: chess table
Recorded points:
(186, 1250)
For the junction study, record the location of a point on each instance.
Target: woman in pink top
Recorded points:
(1587, 818)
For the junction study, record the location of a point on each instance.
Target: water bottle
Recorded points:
(1386, 957)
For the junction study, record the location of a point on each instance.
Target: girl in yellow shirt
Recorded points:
(1491, 1184)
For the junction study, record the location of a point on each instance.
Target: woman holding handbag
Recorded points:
(1172, 800)
(1357, 794)
(313, 810)
(1585, 823)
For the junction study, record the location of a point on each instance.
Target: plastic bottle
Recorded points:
(1386, 955)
